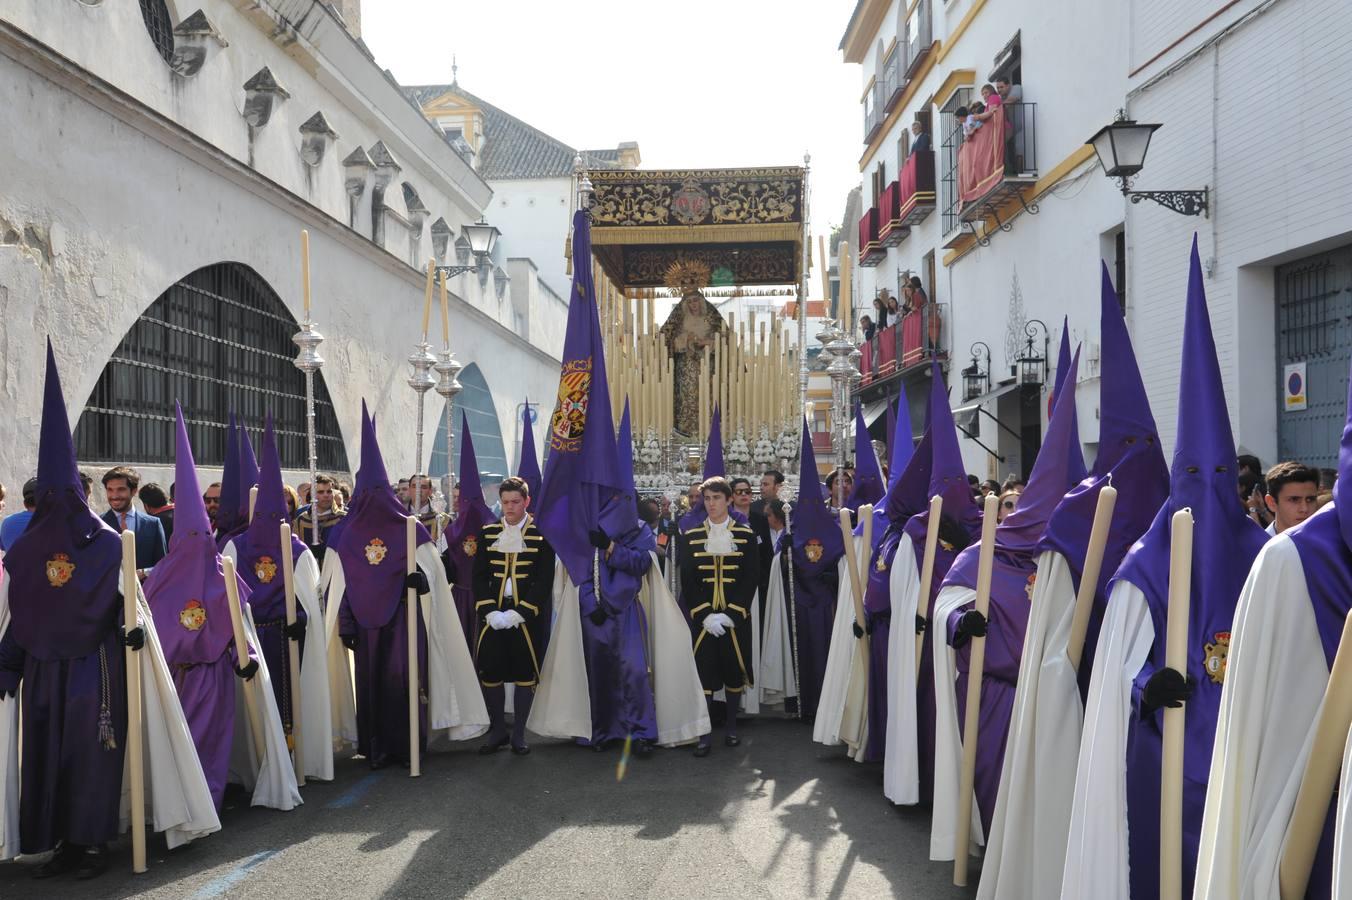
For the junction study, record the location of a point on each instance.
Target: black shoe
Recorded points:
(731, 740)
(702, 750)
(93, 863)
(494, 745)
(523, 750)
(66, 858)
(643, 748)
(599, 747)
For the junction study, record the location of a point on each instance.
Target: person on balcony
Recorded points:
(880, 307)
(916, 303)
(974, 120)
(867, 327)
(1012, 94)
(922, 138)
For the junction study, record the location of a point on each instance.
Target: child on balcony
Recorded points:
(972, 122)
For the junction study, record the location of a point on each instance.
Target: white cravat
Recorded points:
(719, 542)
(510, 540)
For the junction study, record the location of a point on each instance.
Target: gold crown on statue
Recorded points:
(687, 275)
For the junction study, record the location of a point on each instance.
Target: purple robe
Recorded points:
(814, 602)
(618, 675)
(878, 610)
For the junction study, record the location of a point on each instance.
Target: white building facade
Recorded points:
(161, 160)
(1004, 266)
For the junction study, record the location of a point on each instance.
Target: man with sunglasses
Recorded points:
(741, 496)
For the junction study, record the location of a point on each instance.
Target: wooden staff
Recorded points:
(293, 654)
(242, 655)
(1320, 780)
(414, 731)
(253, 500)
(1089, 576)
(976, 667)
(1176, 658)
(936, 509)
(135, 736)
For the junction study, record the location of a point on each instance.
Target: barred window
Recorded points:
(217, 341)
(160, 27)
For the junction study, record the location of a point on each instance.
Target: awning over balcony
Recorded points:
(915, 188)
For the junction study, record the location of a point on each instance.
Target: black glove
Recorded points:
(972, 624)
(349, 641)
(418, 582)
(135, 639)
(249, 671)
(598, 615)
(1167, 687)
(9, 686)
(599, 539)
(951, 532)
(857, 629)
(921, 624)
(296, 630)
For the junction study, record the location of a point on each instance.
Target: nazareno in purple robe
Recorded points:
(462, 536)
(619, 680)
(62, 650)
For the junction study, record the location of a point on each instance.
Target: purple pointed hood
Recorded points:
(713, 453)
(619, 512)
(811, 522)
(1075, 461)
(248, 473)
(868, 475)
(372, 545)
(471, 512)
(903, 441)
(1129, 453)
(529, 468)
(1204, 479)
(948, 475)
(260, 545)
(63, 571)
(1017, 537)
(186, 590)
(227, 510)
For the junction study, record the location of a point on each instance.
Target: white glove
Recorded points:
(713, 624)
(511, 618)
(494, 620)
(726, 620)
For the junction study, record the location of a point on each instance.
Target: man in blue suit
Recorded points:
(120, 484)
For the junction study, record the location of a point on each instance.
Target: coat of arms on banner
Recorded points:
(375, 551)
(691, 203)
(570, 415)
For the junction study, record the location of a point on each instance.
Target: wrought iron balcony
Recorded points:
(916, 339)
(919, 37)
(871, 251)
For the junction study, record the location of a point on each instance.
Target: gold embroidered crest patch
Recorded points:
(881, 564)
(59, 570)
(375, 551)
(813, 551)
(1028, 588)
(1217, 655)
(193, 615)
(470, 545)
(265, 569)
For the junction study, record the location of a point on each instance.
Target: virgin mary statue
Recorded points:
(688, 332)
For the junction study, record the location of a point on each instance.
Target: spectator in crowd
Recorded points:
(975, 484)
(120, 486)
(774, 516)
(343, 496)
(893, 306)
(292, 501)
(1292, 495)
(1012, 483)
(15, 524)
(87, 482)
(1250, 465)
(880, 309)
(1009, 501)
(212, 498)
(741, 496)
(1253, 497)
(772, 480)
(846, 479)
(159, 506)
(303, 492)
(922, 140)
(403, 491)
(867, 327)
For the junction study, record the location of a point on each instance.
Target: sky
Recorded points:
(697, 83)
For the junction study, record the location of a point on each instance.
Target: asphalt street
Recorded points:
(778, 816)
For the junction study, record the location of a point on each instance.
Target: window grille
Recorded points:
(217, 341)
(160, 27)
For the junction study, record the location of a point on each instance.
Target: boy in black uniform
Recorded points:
(720, 570)
(513, 581)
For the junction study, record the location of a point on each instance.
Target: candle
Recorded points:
(445, 315)
(305, 270)
(427, 305)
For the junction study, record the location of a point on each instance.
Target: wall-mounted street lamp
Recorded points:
(1121, 148)
(482, 238)
(1032, 365)
(976, 380)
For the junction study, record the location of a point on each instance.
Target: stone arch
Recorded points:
(217, 340)
(476, 402)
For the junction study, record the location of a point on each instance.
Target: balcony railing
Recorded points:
(919, 37)
(915, 188)
(871, 251)
(1001, 152)
(894, 78)
(890, 230)
(873, 112)
(915, 340)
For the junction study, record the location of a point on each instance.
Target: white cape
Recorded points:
(1026, 852)
(563, 703)
(947, 735)
(178, 801)
(776, 682)
(901, 760)
(316, 708)
(456, 709)
(1342, 832)
(839, 664)
(270, 779)
(342, 690)
(1274, 687)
